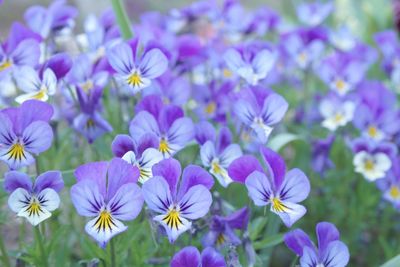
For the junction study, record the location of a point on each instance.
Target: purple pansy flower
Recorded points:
(108, 192)
(217, 154)
(177, 206)
(282, 190)
(142, 153)
(35, 87)
(167, 122)
(34, 201)
(331, 252)
(260, 110)
(24, 132)
(60, 64)
(314, 13)
(320, 154)
(391, 185)
(191, 257)
(133, 72)
(373, 160)
(222, 229)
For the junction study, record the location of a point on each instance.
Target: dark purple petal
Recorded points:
(14, 180)
(194, 175)
(146, 141)
(186, 257)
(275, 164)
(171, 170)
(239, 219)
(224, 139)
(168, 116)
(119, 173)
(212, 258)
(296, 240)
(242, 167)
(121, 144)
(151, 103)
(49, 179)
(204, 131)
(60, 64)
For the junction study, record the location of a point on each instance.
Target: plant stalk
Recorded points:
(122, 19)
(39, 242)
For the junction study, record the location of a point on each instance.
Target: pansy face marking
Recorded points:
(104, 222)
(372, 166)
(164, 147)
(172, 219)
(5, 65)
(134, 79)
(16, 152)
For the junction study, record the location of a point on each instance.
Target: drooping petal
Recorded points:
(289, 212)
(194, 175)
(275, 164)
(274, 109)
(126, 203)
(242, 167)
(336, 254)
(153, 64)
(37, 137)
(86, 197)
(186, 257)
(156, 194)
(119, 173)
(195, 203)
(96, 172)
(103, 228)
(121, 144)
(295, 187)
(212, 258)
(296, 240)
(207, 153)
(171, 170)
(326, 233)
(120, 57)
(49, 179)
(259, 187)
(14, 180)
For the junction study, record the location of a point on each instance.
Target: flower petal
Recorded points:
(103, 234)
(126, 203)
(49, 199)
(95, 172)
(196, 202)
(295, 187)
(212, 258)
(119, 173)
(37, 137)
(49, 179)
(7, 135)
(14, 180)
(297, 240)
(143, 123)
(207, 153)
(150, 157)
(27, 79)
(186, 257)
(274, 109)
(120, 57)
(242, 167)
(326, 233)
(230, 153)
(170, 170)
(336, 255)
(156, 194)
(121, 144)
(172, 231)
(259, 187)
(309, 257)
(275, 164)
(194, 175)
(86, 198)
(34, 110)
(291, 213)
(153, 64)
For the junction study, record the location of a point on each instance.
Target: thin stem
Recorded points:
(112, 252)
(39, 242)
(122, 19)
(4, 254)
(272, 229)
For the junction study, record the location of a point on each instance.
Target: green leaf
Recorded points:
(281, 140)
(256, 227)
(395, 262)
(269, 241)
(122, 19)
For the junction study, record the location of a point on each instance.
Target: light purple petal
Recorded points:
(7, 135)
(156, 194)
(168, 116)
(143, 123)
(245, 112)
(212, 258)
(263, 63)
(276, 165)
(194, 175)
(120, 57)
(87, 199)
(204, 131)
(171, 170)
(195, 203)
(242, 167)
(292, 213)
(14, 180)
(181, 132)
(152, 104)
(34, 110)
(119, 173)
(207, 153)
(336, 255)
(186, 257)
(309, 257)
(153, 64)
(296, 240)
(295, 187)
(94, 171)
(259, 187)
(229, 154)
(233, 60)
(127, 202)
(274, 109)
(27, 53)
(326, 233)
(49, 179)
(37, 137)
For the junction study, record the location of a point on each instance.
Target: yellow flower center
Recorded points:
(172, 219)
(104, 221)
(303, 57)
(394, 192)
(340, 84)
(372, 131)
(278, 206)
(163, 147)
(369, 165)
(6, 64)
(216, 168)
(16, 152)
(87, 86)
(338, 117)
(34, 208)
(134, 79)
(41, 94)
(211, 107)
(90, 123)
(226, 73)
(220, 239)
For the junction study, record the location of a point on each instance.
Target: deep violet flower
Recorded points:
(25, 132)
(108, 192)
(283, 190)
(34, 201)
(320, 154)
(191, 257)
(177, 207)
(133, 72)
(331, 252)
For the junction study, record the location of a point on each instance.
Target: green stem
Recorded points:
(39, 242)
(4, 254)
(272, 229)
(122, 19)
(112, 252)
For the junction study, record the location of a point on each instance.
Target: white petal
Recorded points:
(19, 199)
(173, 232)
(130, 157)
(49, 199)
(104, 234)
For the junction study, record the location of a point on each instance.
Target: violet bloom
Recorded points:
(89, 122)
(389, 45)
(336, 112)
(371, 159)
(222, 229)
(108, 192)
(218, 154)
(60, 64)
(177, 207)
(314, 13)
(167, 122)
(331, 252)
(191, 257)
(252, 67)
(142, 153)
(320, 154)
(282, 190)
(390, 186)
(133, 72)
(25, 132)
(34, 201)
(35, 87)
(260, 111)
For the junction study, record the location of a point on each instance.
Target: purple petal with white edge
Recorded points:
(295, 187)
(212, 258)
(170, 170)
(275, 164)
(173, 232)
(143, 123)
(259, 187)
(153, 64)
(49, 179)
(274, 109)
(181, 132)
(309, 257)
(27, 53)
(296, 240)
(96, 172)
(34, 110)
(245, 112)
(37, 137)
(291, 212)
(229, 154)
(186, 257)
(207, 153)
(126, 203)
(239, 219)
(102, 236)
(195, 203)
(7, 135)
(14, 180)
(194, 175)
(326, 233)
(148, 140)
(156, 194)
(224, 139)
(233, 60)
(204, 131)
(336, 255)
(119, 173)
(120, 57)
(86, 198)
(121, 144)
(242, 167)
(27, 79)
(168, 116)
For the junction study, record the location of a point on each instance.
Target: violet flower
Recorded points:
(331, 252)
(177, 207)
(25, 132)
(314, 13)
(390, 186)
(107, 192)
(34, 201)
(320, 154)
(273, 186)
(191, 257)
(133, 72)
